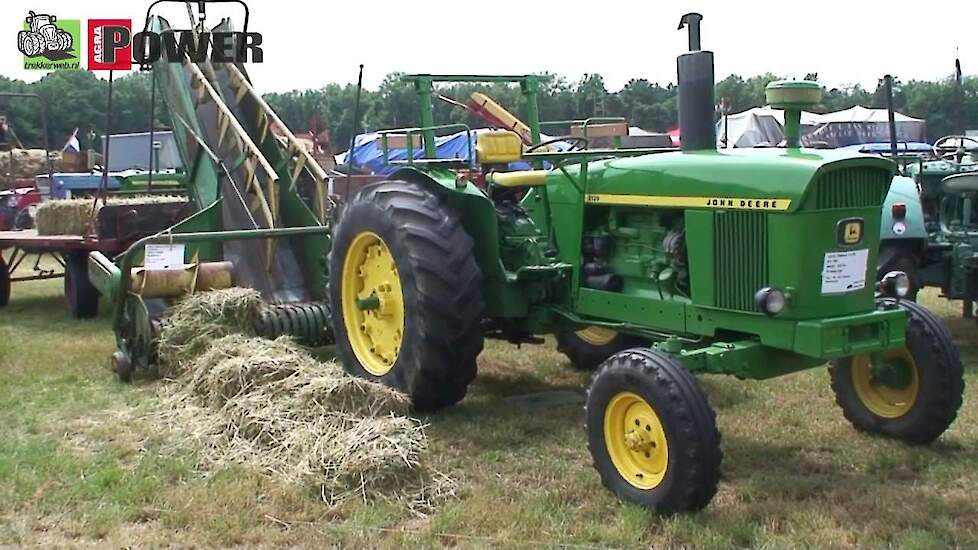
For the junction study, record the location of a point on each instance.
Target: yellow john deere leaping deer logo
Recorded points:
(850, 231)
(725, 203)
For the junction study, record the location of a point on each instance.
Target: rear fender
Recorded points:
(903, 190)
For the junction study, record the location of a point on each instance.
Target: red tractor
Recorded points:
(14, 208)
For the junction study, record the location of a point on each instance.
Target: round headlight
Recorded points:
(770, 300)
(896, 284)
(11, 202)
(899, 228)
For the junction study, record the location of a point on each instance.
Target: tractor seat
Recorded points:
(960, 183)
(498, 147)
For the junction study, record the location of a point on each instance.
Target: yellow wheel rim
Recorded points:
(636, 440)
(372, 303)
(597, 336)
(884, 398)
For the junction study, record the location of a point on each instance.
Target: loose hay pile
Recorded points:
(191, 325)
(270, 405)
(75, 216)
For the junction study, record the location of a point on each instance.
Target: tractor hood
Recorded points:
(750, 179)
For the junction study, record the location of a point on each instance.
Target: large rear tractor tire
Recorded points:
(64, 41)
(914, 393)
(407, 293)
(652, 433)
(589, 347)
(81, 294)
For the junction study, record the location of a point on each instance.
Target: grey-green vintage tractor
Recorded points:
(753, 263)
(931, 232)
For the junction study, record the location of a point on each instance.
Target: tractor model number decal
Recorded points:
(733, 203)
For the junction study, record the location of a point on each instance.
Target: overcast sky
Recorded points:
(308, 44)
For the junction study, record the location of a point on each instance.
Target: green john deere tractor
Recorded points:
(753, 263)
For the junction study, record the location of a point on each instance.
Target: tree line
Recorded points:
(77, 99)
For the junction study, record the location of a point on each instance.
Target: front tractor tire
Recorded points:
(913, 393)
(589, 347)
(652, 433)
(407, 293)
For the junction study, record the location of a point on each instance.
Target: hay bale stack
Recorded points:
(270, 405)
(27, 163)
(189, 327)
(76, 216)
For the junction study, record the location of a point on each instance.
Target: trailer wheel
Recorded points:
(914, 394)
(589, 347)
(407, 291)
(81, 294)
(652, 433)
(4, 283)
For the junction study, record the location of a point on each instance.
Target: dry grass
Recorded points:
(77, 216)
(795, 473)
(270, 406)
(189, 326)
(964, 331)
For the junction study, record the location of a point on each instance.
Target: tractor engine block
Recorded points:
(636, 250)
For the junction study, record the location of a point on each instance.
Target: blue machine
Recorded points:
(368, 154)
(68, 184)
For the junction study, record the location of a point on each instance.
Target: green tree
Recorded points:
(77, 99)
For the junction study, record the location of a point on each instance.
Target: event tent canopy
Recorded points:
(764, 126)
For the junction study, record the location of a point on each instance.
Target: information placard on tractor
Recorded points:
(844, 271)
(164, 256)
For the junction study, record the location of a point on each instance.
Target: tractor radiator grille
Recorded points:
(851, 188)
(740, 258)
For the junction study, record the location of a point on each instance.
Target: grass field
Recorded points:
(75, 471)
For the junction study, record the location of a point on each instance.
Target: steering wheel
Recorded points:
(942, 151)
(579, 143)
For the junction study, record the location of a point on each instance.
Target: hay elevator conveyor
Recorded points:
(260, 214)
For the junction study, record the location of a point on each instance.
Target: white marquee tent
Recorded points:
(764, 126)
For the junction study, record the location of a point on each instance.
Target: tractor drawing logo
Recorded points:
(44, 38)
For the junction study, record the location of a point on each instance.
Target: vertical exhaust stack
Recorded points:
(697, 130)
